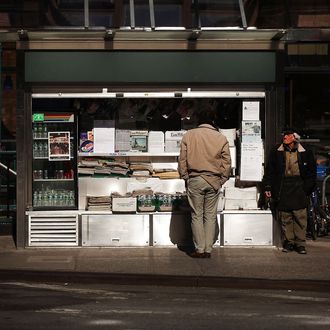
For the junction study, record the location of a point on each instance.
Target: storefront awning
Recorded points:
(128, 34)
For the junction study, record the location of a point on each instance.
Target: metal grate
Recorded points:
(53, 231)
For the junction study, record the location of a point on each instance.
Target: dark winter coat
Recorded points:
(275, 181)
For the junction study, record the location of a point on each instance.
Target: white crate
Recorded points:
(124, 204)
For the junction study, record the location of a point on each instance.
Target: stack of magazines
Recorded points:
(98, 203)
(141, 169)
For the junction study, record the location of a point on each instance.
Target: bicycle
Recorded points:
(318, 216)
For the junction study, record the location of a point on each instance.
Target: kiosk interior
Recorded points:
(104, 168)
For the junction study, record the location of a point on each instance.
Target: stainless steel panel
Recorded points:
(169, 229)
(115, 230)
(247, 228)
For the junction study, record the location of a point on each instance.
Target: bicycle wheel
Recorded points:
(312, 226)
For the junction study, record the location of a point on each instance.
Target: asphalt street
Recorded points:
(33, 306)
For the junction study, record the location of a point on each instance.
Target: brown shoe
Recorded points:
(196, 254)
(207, 255)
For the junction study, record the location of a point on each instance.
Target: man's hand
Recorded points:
(268, 194)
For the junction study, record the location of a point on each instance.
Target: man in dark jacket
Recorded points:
(289, 179)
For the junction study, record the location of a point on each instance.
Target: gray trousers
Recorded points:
(203, 200)
(294, 224)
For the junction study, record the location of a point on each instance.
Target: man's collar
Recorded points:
(206, 125)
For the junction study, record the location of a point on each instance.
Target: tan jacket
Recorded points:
(205, 152)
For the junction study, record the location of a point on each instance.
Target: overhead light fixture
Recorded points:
(221, 28)
(279, 35)
(23, 35)
(194, 35)
(109, 35)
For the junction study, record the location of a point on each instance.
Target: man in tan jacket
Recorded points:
(204, 164)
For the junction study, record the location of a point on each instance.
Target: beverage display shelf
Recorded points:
(62, 160)
(43, 180)
(46, 138)
(53, 208)
(53, 122)
(128, 154)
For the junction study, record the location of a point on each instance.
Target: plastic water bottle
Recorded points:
(35, 198)
(40, 149)
(71, 198)
(55, 199)
(35, 150)
(44, 131)
(35, 131)
(39, 131)
(39, 201)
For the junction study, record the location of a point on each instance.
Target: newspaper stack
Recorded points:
(102, 166)
(87, 167)
(166, 174)
(166, 170)
(116, 168)
(141, 169)
(98, 203)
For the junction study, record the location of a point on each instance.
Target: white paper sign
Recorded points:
(156, 142)
(252, 158)
(104, 140)
(251, 110)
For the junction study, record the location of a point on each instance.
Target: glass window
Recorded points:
(168, 13)
(213, 13)
(64, 13)
(308, 109)
(290, 14)
(101, 13)
(159, 113)
(141, 15)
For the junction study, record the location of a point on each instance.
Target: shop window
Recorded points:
(148, 113)
(308, 110)
(168, 13)
(212, 13)
(156, 113)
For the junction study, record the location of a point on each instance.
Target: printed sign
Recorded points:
(38, 117)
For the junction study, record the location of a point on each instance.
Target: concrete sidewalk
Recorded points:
(253, 266)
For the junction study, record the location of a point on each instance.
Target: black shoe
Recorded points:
(196, 254)
(287, 247)
(301, 249)
(207, 255)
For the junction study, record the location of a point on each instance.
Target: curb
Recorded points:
(165, 280)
